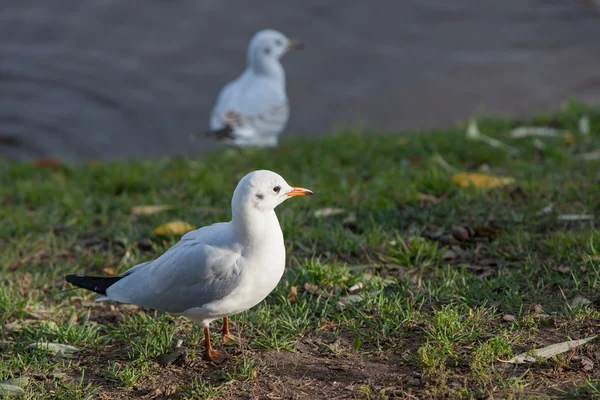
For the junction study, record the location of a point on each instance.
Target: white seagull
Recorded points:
(217, 270)
(253, 110)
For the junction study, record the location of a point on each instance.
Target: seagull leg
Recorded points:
(216, 356)
(227, 335)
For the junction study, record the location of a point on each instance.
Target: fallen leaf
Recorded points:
(356, 287)
(21, 381)
(563, 269)
(109, 270)
(574, 217)
(586, 363)
(584, 125)
(579, 300)
(293, 295)
(7, 390)
(473, 133)
(486, 232)
(56, 348)
(328, 212)
(149, 210)
(314, 289)
(47, 163)
(547, 352)
(544, 211)
(569, 138)
(429, 198)
(443, 163)
(479, 180)
(590, 156)
(537, 131)
(509, 318)
(174, 228)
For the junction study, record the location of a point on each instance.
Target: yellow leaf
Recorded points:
(149, 210)
(466, 179)
(569, 138)
(174, 228)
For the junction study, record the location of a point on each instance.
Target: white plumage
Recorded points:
(215, 271)
(253, 110)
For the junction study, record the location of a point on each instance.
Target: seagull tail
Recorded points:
(97, 284)
(225, 133)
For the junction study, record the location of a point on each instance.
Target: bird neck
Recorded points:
(253, 225)
(268, 67)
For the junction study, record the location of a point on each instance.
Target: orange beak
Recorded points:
(298, 191)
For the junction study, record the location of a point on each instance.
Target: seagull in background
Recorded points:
(253, 110)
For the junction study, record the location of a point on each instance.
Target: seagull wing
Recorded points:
(190, 274)
(251, 106)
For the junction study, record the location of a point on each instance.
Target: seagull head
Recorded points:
(267, 47)
(264, 190)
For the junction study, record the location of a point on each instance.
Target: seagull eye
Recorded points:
(276, 189)
(278, 42)
(267, 50)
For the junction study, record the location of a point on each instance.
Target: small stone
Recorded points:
(449, 240)
(460, 233)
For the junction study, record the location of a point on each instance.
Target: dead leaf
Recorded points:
(547, 352)
(328, 212)
(509, 318)
(579, 300)
(314, 289)
(174, 228)
(569, 138)
(474, 134)
(584, 125)
(536, 131)
(293, 295)
(109, 270)
(590, 156)
(545, 210)
(356, 287)
(149, 210)
(7, 390)
(586, 363)
(563, 269)
(429, 198)
(479, 180)
(486, 232)
(574, 217)
(56, 348)
(48, 163)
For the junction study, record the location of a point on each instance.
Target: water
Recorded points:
(101, 79)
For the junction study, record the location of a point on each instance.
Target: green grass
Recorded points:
(425, 323)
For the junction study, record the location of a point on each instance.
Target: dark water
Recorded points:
(83, 79)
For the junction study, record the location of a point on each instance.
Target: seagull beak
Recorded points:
(298, 191)
(295, 45)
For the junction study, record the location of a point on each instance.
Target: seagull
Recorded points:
(215, 271)
(253, 110)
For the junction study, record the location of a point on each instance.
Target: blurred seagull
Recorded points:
(253, 110)
(215, 271)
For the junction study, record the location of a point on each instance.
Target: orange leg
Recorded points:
(216, 356)
(227, 335)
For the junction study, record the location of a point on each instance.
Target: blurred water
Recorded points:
(92, 79)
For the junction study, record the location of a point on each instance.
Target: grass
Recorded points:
(427, 322)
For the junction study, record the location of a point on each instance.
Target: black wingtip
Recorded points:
(222, 134)
(97, 284)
